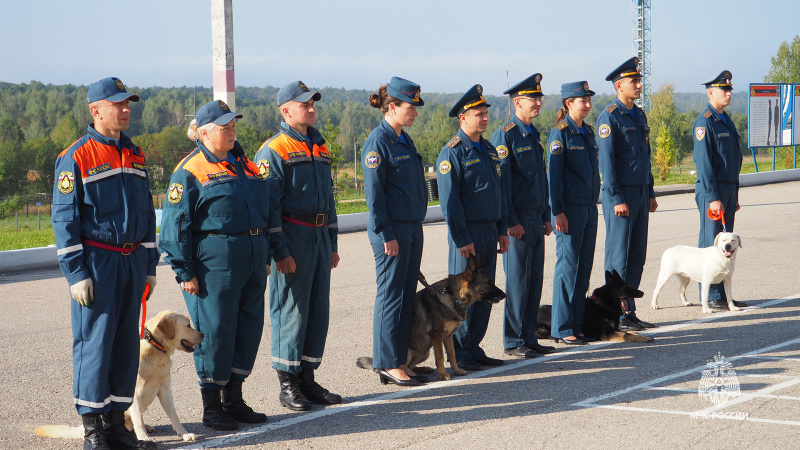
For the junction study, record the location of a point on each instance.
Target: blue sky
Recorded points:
(444, 45)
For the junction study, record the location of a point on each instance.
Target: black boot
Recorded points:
(234, 405)
(291, 396)
(214, 415)
(314, 392)
(94, 437)
(118, 437)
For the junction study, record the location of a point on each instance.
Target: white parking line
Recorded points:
(228, 440)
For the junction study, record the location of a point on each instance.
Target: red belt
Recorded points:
(125, 249)
(308, 220)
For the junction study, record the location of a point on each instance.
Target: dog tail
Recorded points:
(60, 431)
(364, 362)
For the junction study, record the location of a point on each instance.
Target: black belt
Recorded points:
(251, 232)
(317, 220)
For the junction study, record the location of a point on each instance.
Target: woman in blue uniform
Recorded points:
(574, 190)
(213, 231)
(394, 185)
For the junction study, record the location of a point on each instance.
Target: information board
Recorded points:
(764, 115)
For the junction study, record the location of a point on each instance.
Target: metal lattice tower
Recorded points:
(641, 47)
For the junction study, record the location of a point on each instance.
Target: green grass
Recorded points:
(27, 235)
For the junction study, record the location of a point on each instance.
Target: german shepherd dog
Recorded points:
(439, 312)
(603, 310)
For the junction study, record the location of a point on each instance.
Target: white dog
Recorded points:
(168, 331)
(707, 266)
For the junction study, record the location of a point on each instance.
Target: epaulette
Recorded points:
(509, 126)
(707, 114)
(611, 108)
(561, 125)
(453, 142)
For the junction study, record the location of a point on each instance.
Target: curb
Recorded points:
(46, 258)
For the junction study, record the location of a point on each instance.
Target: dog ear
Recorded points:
(609, 277)
(167, 326)
(716, 239)
(739, 240)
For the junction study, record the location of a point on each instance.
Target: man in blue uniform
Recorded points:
(718, 157)
(303, 234)
(472, 202)
(527, 199)
(628, 195)
(104, 223)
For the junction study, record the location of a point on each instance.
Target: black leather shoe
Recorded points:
(720, 304)
(214, 415)
(626, 324)
(118, 437)
(486, 361)
(521, 352)
(314, 392)
(469, 364)
(542, 349)
(587, 339)
(94, 436)
(574, 341)
(235, 406)
(632, 317)
(387, 378)
(291, 397)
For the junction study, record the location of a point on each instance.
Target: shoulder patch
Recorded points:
(263, 168)
(66, 182)
(556, 147)
(611, 108)
(175, 193)
(509, 126)
(444, 167)
(502, 151)
(700, 133)
(453, 142)
(372, 160)
(605, 131)
(707, 114)
(561, 125)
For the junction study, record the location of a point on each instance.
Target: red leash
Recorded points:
(715, 215)
(144, 308)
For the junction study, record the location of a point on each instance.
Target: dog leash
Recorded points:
(716, 215)
(428, 286)
(144, 308)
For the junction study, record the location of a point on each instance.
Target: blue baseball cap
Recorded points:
(404, 90)
(576, 89)
(471, 99)
(296, 91)
(110, 89)
(529, 87)
(722, 81)
(216, 112)
(629, 68)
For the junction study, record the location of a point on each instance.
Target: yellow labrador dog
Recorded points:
(707, 266)
(166, 332)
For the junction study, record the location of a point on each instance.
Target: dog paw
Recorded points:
(707, 311)
(149, 428)
(735, 308)
(459, 372)
(688, 304)
(189, 437)
(444, 376)
(653, 306)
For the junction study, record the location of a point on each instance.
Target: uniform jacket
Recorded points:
(101, 193)
(574, 176)
(522, 163)
(394, 181)
(469, 187)
(299, 171)
(717, 152)
(209, 195)
(624, 153)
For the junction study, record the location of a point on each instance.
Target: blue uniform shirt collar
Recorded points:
(313, 134)
(717, 116)
(624, 109)
(468, 142)
(523, 128)
(124, 141)
(391, 136)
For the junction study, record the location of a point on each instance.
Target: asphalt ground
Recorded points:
(601, 395)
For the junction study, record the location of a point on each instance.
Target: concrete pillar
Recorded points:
(222, 51)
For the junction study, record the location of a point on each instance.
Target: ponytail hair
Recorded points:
(561, 114)
(382, 100)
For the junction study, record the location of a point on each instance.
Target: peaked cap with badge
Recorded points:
(629, 68)
(404, 90)
(529, 87)
(471, 99)
(576, 89)
(722, 81)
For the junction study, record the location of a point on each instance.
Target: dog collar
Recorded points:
(599, 302)
(149, 338)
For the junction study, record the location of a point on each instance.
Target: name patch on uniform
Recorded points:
(212, 176)
(724, 135)
(263, 168)
(175, 193)
(471, 162)
(556, 147)
(605, 131)
(700, 133)
(502, 151)
(140, 166)
(523, 149)
(372, 160)
(577, 147)
(444, 167)
(324, 155)
(402, 158)
(66, 182)
(98, 169)
(295, 154)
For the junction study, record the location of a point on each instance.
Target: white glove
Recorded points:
(151, 280)
(83, 292)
